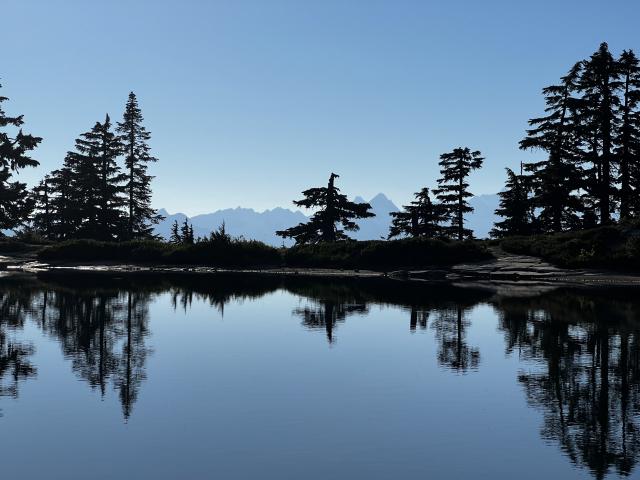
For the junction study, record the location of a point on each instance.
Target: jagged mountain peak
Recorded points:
(252, 224)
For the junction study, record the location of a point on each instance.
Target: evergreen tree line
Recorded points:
(590, 135)
(423, 217)
(589, 175)
(92, 195)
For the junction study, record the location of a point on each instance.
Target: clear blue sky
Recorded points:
(250, 102)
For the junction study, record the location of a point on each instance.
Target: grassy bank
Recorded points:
(373, 255)
(383, 255)
(234, 253)
(614, 247)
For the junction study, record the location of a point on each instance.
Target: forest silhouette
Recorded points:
(588, 176)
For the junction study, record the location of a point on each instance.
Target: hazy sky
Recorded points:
(250, 102)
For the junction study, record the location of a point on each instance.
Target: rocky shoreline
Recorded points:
(516, 271)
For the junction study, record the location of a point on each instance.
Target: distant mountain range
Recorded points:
(262, 226)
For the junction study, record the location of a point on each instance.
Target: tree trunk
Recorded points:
(460, 215)
(625, 192)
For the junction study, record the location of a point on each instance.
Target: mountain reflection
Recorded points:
(579, 350)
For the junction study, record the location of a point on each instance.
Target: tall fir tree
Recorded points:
(556, 179)
(60, 182)
(15, 145)
(134, 137)
(334, 211)
(516, 208)
(175, 236)
(599, 85)
(42, 215)
(453, 189)
(421, 218)
(95, 193)
(628, 137)
(186, 233)
(110, 191)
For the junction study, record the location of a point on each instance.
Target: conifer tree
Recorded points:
(628, 138)
(599, 84)
(515, 208)
(135, 137)
(556, 179)
(111, 178)
(220, 235)
(15, 145)
(63, 213)
(186, 233)
(421, 218)
(42, 216)
(333, 209)
(453, 189)
(96, 183)
(175, 233)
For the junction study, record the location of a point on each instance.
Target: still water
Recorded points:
(260, 377)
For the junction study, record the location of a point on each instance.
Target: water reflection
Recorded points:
(453, 352)
(588, 388)
(15, 363)
(579, 350)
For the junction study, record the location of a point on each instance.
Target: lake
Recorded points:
(241, 376)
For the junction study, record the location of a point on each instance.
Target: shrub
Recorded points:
(603, 247)
(377, 254)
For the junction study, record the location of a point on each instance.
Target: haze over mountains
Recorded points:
(262, 226)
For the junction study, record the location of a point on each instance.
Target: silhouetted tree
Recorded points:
(599, 84)
(96, 183)
(220, 235)
(421, 218)
(186, 233)
(15, 202)
(453, 190)
(134, 137)
(175, 233)
(42, 215)
(628, 138)
(556, 179)
(334, 209)
(516, 208)
(110, 187)
(63, 209)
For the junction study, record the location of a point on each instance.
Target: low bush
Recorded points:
(382, 255)
(233, 253)
(614, 247)
(224, 252)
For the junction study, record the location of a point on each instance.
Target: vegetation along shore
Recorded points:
(576, 206)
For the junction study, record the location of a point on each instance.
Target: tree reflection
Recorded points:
(588, 387)
(418, 317)
(130, 367)
(103, 332)
(15, 363)
(326, 315)
(453, 351)
(584, 346)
